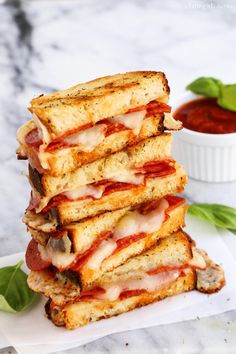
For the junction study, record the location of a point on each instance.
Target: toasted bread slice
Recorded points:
(90, 102)
(151, 149)
(82, 312)
(66, 286)
(70, 211)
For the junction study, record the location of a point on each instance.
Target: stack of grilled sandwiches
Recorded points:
(104, 217)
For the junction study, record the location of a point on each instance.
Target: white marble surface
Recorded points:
(47, 45)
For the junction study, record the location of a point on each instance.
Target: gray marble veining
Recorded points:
(47, 45)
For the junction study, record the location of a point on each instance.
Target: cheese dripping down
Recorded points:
(132, 223)
(149, 283)
(152, 282)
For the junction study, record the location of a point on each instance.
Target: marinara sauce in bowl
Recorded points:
(206, 146)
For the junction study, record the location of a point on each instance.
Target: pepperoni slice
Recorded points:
(174, 201)
(136, 109)
(91, 294)
(155, 107)
(34, 202)
(117, 187)
(33, 258)
(126, 241)
(129, 293)
(154, 166)
(82, 258)
(55, 201)
(113, 127)
(155, 169)
(33, 139)
(57, 145)
(166, 269)
(146, 207)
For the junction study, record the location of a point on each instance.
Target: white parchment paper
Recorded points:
(30, 331)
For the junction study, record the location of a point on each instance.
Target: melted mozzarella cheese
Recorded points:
(105, 249)
(170, 123)
(126, 176)
(59, 259)
(131, 120)
(198, 260)
(43, 132)
(149, 283)
(43, 157)
(89, 138)
(134, 223)
(84, 191)
(46, 138)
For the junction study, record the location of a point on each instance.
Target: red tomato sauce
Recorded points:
(205, 116)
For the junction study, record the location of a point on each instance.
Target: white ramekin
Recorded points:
(205, 157)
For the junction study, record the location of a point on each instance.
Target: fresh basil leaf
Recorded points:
(15, 295)
(227, 97)
(216, 214)
(206, 86)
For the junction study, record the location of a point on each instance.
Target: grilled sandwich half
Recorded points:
(100, 244)
(158, 179)
(89, 121)
(172, 266)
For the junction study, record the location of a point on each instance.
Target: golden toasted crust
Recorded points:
(81, 313)
(68, 212)
(151, 149)
(61, 288)
(21, 133)
(98, 99)
(83, 233)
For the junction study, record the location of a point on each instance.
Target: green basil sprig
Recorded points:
(227, 98)
(216, 214)
(210, 87)
(15, 295)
